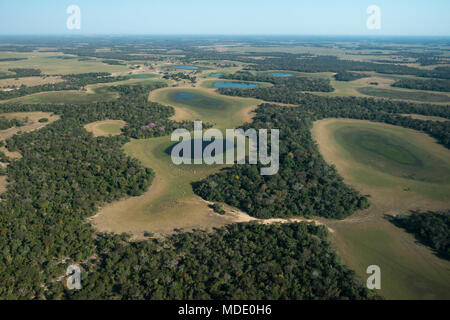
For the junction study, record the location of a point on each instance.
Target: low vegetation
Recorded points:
(430, 228)
(430, 84)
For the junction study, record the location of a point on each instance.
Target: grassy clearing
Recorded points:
(379, 85)
(67, 96)
(105, 127)
(408, 270)
(170, 202)
(32, 124)
(29, 81)
(206, 105)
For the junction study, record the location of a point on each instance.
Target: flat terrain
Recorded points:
(49, 64)
(170, 202)
(32, 124)
(66, 96)
(422, 117)
(400, 169)
(29, 81)
(400, 174)
(379, 86)
(413, 95)
(207, 105)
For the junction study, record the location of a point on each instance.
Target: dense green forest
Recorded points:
(429, 84)
(305, 184)
(430, 228)
(241, 261)
(349, 76)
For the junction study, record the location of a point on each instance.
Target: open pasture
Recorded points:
(401, 169)
(105, 127)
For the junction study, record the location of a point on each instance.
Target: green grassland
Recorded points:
(111, 128)
(392, 153)
(414, 95)
(210, 83)
(208, 106)
(408, 269)
(401, 170)
(46, 62)
(170, 202)
(365, 87)
(70, 97)
(94, 93)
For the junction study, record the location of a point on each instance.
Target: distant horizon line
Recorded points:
(222, 35)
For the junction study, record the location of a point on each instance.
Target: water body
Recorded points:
(197, 100)
(216, 74)
(185, 67)
(141, 76)
(236, 85)
(281, 74)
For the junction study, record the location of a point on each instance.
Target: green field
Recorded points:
(401, 170)
(70, 97)
(207, 105)
(171, 203)
(391, 153)
(404, 95)
(389, 157)
(46, 62)
(111, 128)
(408, 269)
(210, 83)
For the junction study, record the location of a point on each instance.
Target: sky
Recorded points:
(226, 17)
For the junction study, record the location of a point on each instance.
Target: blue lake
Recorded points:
(237, 85)
(197, 101)
(216, 74)
(185, 67)
(281, 74)
(141, 76)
